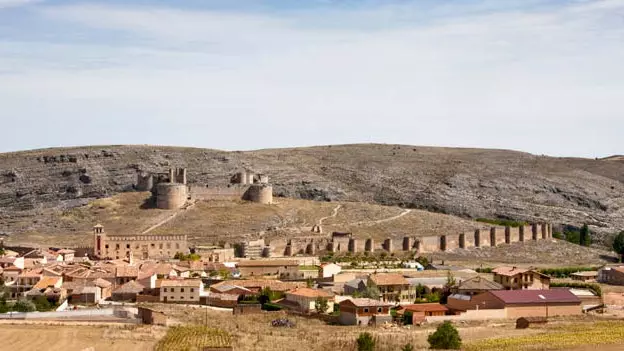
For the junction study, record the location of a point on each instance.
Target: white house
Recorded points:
(329, 270)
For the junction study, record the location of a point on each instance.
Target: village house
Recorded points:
(355, 286)
(393, 287)
(611, 275)
(419, 312)
(6, 262)
(587, 276)
(520, 303)
(181, 291)
(304, 299)
(127, 292)
(364, 312)
(257, 285)
(475, 286)
(283, 269)
(514, 278)
(329, 270)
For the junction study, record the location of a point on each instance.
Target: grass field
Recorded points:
(77, 337)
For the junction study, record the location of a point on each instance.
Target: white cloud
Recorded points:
(538, 79)
(15, 3)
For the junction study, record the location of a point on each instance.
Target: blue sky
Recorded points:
(545, 77)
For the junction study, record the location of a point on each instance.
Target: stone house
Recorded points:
(514, 278)
(393, 287)
(611, 275)
(364, 312)
(283, 269)
(475, 286)
(181, 291)
(127, 292)
(304, 299)
(588, 276)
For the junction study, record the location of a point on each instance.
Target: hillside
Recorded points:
(468, 183)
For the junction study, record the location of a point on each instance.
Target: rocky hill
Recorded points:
(464, 182)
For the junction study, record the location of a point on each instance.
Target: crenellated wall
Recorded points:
(494, 236)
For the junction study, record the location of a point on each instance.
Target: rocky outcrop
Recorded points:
(465, 182)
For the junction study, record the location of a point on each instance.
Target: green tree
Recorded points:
(618, 244)
(372, 292)
(365, 342)
(446, 337)
(24, 306)
(321, 305)
(407, 347)
(42, 304)
(573, 236)
(585, 236)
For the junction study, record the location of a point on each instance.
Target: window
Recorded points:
(181, 289)
(172, 298)
(366, 310)
(165, 289)
(153, 245)
(117, 246)
(106, 246)
(127, 246)
(172, 290)
(379, 309)
(181, 297)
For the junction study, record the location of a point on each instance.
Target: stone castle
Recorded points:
(171, 191)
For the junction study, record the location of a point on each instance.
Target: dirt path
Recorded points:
(403, 213)
(333, 215)
(170, 217)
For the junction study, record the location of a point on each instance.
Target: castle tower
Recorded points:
(99, 240)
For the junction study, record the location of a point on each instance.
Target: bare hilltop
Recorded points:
(469, 183)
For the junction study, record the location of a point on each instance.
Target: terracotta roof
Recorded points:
(99, 282)
(362, 302)
(131, 287)
(509, 271)
(31, 274)
(535, 296)
(425, 307)
(46, 282)
(308, 292)
(586, 274)
(479, 283)
(275, 285)
(127, 271)
(388, 279)
(267, 263)
(193, 283)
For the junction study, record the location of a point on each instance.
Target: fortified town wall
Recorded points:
(345, 242)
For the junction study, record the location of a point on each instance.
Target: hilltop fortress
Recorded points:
(171, 191)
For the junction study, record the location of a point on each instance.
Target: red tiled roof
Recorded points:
(308, 292)
(514, 297)
(46, 282)
(425, 307)
(388, 279)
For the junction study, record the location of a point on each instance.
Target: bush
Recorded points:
(271, 307)
(407, 347)
(42, 304)
(502, 222)
(618, 244)
(484, 270)
(365, 342)
(446, 337)
(24, 306)
(564, 272)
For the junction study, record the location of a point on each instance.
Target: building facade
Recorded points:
(514, 278)
(142, 246)
(182, 291)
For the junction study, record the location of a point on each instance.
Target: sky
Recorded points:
(546, 77)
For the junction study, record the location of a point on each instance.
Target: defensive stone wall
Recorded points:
(494, 236)
(232, 193)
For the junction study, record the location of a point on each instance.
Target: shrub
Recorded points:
(618, 244)
(564, 272)
(365, 342)
(446, 337)
(407, 347)
(24, 306)
(271, 307)
(321, 305)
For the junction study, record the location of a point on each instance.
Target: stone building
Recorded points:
(514, 278)
(143, 246)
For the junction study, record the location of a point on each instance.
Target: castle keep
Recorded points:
(171, 191)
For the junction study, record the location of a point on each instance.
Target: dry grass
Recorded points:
(72, 337)
(253, 332)
(557, 338)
